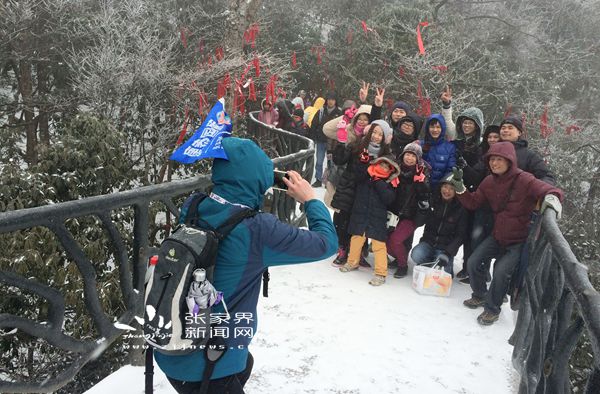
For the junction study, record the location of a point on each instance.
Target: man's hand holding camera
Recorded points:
(298, 188)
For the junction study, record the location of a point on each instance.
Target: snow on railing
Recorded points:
(556, 304)
(290, 152)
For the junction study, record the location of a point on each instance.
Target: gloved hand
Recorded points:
(364, 156)
(457, 180)
(461, 162)
(442, 260)
(423, 205)
(551, 201)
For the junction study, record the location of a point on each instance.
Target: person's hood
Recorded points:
(298, 102)
(262, 105)
(440, 119)
(414, 119)
(391, 162)
(319, 102)
(474, 114)
(507, 151)
(488, 130)
(363, 109)
(385, 128)
(246, 176)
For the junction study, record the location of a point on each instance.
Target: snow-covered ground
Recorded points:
(322, 331)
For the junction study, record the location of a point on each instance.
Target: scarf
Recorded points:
(374, 149)
(378, 172)
(359, 130)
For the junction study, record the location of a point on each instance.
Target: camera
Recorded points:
(278, 183)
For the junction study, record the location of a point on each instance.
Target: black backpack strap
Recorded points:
(191, 217)
(225, 228)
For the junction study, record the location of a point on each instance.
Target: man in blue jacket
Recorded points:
(254, 245)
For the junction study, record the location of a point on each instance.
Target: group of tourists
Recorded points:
(468, 184)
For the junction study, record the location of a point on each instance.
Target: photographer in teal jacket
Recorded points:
(252, 246)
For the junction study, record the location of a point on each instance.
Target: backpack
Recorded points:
(179, 294)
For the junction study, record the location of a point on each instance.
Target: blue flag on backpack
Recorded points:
(206, 141)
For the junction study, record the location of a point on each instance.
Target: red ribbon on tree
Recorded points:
(508, 110)
(319, 50)
(441, 69)
(184, 129)
(201, 45)
(389, 102)
(256, 63)
(281, 93)
(219, 53)
(572, 129)
(386, 64)
(223, 85)
(545, 131)
(202, 102)
(401, 72)
(270, 89)
(182, 35)
(420, 38)
(251, 90)
(424, 102)
(294, 63)
(364, 26)
(250, 35)
(349, 36)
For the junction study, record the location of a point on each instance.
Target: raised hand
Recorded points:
(379, 97)
(446, 95)
(364, 156)
(363, 93)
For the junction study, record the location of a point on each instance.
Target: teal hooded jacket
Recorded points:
(252, 246)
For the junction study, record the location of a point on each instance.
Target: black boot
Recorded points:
(401, 272)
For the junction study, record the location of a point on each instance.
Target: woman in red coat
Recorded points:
(512, 195)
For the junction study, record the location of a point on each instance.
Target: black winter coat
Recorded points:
(346, 185)
(531, 161)
(445, 225)
(409, 193)
(371, 201)
(320, 118)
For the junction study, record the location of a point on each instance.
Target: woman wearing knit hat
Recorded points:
(412, 195)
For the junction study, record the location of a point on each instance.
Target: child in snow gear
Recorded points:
(412, 195)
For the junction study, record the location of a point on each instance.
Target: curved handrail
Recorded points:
(546, 333)
(291, 151)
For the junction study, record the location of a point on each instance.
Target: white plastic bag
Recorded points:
(431, 281)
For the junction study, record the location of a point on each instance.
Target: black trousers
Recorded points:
(341, 220)
(232, 384)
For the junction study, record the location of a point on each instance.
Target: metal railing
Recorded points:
(557, 303)
(288, 151)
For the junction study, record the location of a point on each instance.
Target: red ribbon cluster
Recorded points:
(219, 53)
(183, 36)
(250, 35)
(545, 131)
(270, 89)
(319, 51)
(184, 128)
(294, 63)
